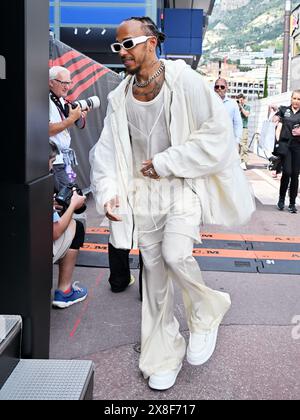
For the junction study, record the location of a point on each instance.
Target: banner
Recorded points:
(89, 79)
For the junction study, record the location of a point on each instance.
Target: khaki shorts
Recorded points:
(63, 243)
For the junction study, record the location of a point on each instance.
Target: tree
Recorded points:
(269, 61)
(266, 83)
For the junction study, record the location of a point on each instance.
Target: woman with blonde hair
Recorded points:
(288, 147)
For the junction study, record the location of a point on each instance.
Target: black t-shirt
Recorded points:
(288, 119)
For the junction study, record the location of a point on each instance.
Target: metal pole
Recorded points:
(57, 19)
(286, 45)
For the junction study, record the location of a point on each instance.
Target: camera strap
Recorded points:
(58, 104)
(64, 110)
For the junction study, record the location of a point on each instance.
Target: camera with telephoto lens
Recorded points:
(93, 102)
(63, 198)
(274, 163)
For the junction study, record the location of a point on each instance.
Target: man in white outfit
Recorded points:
(165, 163)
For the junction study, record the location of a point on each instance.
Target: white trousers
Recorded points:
(162, 346)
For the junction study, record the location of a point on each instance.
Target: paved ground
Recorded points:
(258, 349)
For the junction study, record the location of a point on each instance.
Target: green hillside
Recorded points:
(258, 25)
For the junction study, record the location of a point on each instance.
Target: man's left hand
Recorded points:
(84, 113)
(148, 170)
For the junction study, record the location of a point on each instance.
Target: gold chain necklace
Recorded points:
(156, 74)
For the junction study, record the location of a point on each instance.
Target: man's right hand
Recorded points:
(77, 201)
(109, 208)
(74, 114)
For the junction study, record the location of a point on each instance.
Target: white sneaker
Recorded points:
(164, 380)
(201, 346)
(243, 166)
(132, 280)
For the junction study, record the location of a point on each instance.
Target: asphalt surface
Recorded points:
(258, 349)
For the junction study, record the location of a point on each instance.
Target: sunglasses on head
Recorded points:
(220, 87)
(129, 43)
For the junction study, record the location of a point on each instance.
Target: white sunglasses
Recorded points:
(129, 43)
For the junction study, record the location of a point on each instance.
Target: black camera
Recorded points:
(274, 163)
(63, 198)
(238, 101)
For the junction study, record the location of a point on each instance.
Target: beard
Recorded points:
(133, 71)
(130, 64)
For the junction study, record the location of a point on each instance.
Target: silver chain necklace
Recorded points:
(156, 74)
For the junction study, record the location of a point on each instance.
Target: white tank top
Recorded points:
(147, 128)
(168, 200)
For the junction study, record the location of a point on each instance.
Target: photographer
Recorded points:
(62, 117)
(68, 237)
(245, 112)
(59, 123)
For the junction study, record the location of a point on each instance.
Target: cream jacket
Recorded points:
(203, 151)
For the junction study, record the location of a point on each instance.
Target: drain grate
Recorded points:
(242, 263)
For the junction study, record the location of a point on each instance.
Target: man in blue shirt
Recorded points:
(232, 108)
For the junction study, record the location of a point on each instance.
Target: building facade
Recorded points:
(295, 49)
(233, 4)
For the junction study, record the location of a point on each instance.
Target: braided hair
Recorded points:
(150, 28)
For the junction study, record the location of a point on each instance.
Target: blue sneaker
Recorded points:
(64, 300)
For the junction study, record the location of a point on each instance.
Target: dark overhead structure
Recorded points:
(89, 26)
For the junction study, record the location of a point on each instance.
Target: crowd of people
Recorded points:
(163, 166)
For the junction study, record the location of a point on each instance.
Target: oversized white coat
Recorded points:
(203, 151)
